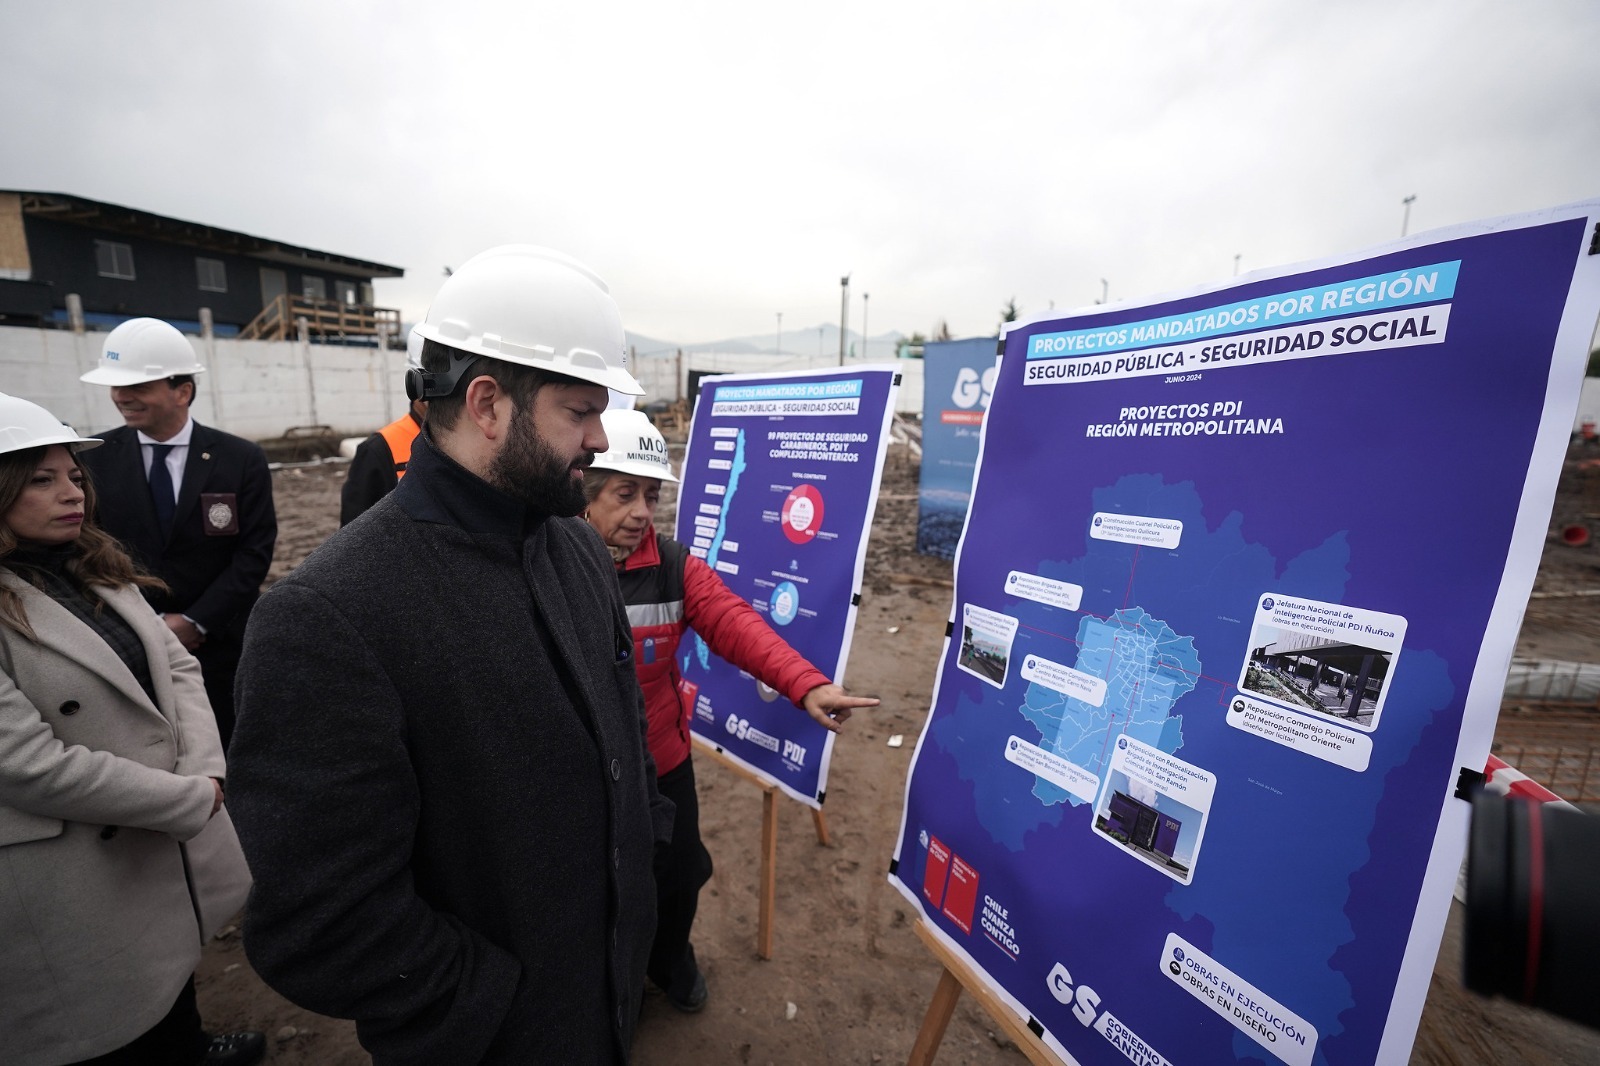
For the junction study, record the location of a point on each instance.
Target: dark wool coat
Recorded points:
(440, 779)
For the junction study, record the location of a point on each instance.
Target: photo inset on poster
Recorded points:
(986, 643)
(1154, 807)
(1322, 658)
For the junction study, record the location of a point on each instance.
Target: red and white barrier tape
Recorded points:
(1499, 776)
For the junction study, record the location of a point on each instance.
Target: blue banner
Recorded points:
(1232, 611)
(957, 380)
(780, 481)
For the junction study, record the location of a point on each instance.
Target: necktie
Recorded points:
(161, 493)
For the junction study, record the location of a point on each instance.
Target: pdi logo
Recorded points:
(1083, 1000)
(971, 388)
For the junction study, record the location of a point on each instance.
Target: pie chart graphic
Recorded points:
(785, 603)
(802, 514)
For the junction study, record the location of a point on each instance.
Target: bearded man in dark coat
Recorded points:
(439, 772)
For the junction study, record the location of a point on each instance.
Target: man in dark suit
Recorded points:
(192, 504)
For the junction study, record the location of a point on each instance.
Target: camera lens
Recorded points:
(1532, 932)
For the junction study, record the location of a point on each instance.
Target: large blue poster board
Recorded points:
(1233, 607)
(957, 381)
(780, 481)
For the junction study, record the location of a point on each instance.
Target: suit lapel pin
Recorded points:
(205, 455)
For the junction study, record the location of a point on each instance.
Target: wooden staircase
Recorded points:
(323, 319)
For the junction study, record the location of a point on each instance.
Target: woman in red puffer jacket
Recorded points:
(668, 591)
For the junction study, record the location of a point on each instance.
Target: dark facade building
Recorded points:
(125, 263)
(1142, 825)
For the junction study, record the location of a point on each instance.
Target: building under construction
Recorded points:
(70, 262)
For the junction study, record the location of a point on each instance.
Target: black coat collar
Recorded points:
(438, 489)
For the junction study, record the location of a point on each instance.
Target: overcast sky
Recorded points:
(721, 162)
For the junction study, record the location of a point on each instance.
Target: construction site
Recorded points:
(849, 979)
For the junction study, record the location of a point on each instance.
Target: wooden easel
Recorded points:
(958, 975)
(769, 840)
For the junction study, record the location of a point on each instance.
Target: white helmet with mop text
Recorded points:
(24, 424)
(141, 350)
(530, 305)
(637, 447)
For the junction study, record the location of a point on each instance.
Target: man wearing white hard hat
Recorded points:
(380, 460)
(192, 504)
(439, 773)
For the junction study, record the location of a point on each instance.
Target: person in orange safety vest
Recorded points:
(380, 460)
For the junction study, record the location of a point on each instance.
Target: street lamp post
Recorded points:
(844, 313)
(864, 324)
(1405, 219)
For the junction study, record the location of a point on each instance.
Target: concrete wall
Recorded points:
(259, 389)
(256, 389)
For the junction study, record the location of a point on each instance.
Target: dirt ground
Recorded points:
(845, 955)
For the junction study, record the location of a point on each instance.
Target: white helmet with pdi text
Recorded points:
(637, 447)
(530, 305)
(141, 350)
(24, 424)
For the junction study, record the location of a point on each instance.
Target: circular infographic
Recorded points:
(785, 603)
(802, 514)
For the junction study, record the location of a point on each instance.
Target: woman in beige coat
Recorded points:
(109, 759)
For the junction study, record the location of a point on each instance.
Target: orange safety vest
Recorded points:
(398, 435)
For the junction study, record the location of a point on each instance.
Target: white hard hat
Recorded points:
(413, 350)
(636, 446)
(524, 304)
(141, 350)
(24, 424)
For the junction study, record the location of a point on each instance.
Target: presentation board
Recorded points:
(957, 381)
(779, 484)
(1233, 607)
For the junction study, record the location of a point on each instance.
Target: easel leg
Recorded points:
(936, 1020)
(822, 827)
(769, 870)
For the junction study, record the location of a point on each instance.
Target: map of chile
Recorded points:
(699, 649)
(801, 518)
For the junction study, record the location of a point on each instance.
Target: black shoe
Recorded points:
(236, 1049)
(692, 1001)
